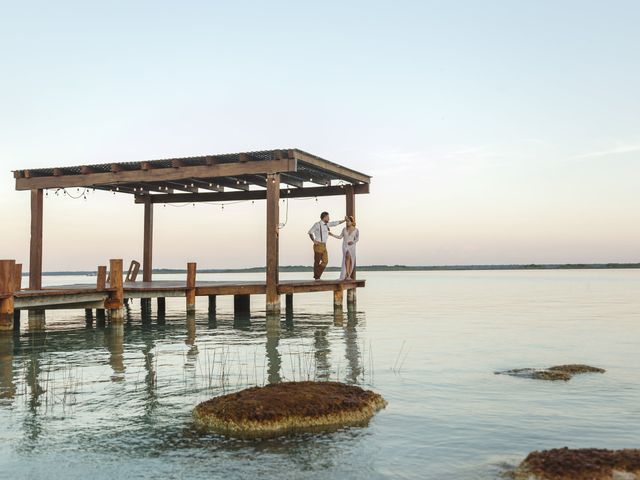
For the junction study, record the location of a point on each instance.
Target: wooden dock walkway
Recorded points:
(88, 296)
(109, 295)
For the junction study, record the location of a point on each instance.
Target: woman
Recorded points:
(350, 236)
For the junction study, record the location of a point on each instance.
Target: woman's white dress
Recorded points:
(347, 237)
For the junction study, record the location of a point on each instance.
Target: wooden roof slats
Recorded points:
(295, 166)
(261, 194)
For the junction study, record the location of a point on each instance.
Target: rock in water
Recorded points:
(557, 372)
(288, 407)
(580, 464)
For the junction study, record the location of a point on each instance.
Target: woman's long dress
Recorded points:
(347, 237)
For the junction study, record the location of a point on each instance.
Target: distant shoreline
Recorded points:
(388, 268)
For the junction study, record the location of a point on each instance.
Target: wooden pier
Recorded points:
(271, 175)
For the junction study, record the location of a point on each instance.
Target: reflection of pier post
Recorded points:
(274, 360)
(322, 353)
(191, 335)
(114, 341)
(7, 387)
(37, 341)
(352, 352)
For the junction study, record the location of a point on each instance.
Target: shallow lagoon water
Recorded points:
(115, 402)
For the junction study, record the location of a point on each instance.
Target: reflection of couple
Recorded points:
(319, 234)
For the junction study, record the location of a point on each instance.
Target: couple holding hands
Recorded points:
(320, 233)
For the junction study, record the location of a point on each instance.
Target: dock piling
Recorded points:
(115, 302)
(337, 299)
(191, 287)
(7, 287)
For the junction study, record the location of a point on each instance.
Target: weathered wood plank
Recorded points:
(147, 249)
(338, 170)
(158, 174)
(191, 287)
(250, 195)
(35, 251)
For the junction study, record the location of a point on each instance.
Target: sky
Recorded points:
(496, 132)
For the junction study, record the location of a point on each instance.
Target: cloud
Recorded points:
(619, 150)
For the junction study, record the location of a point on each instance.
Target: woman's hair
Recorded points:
(352, 219)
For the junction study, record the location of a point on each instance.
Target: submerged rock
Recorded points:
(557, 372)
(288, 407)
(580, 464)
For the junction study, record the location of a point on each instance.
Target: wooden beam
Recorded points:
(291, 180)
(251, 195)
(147, 250)
(158, 174)
(85, 169)
(338, 170)
(35, 253)
(191, 287)
(273, 219)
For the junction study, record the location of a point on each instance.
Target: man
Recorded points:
(319, 233)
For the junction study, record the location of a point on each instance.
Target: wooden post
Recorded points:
(273, 218)
(191, 287)
(162, 308)
(115, 302)
(35, 256)
(351, 211)
(88, 316)
(212, 304)
(17, 277)
(289, 303)
(17, 286)
(7, 285)
(242, 304)
(101, 278)
(337, 299)
(147, 254)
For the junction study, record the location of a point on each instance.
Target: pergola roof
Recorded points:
(225, 177)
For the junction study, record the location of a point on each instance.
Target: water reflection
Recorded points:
(274, 360)
(352, 352)
(114, 342)
(7, 385)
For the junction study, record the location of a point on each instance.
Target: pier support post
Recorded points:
(35, 253)
(145, 309)
(35, 250)
(212, 313)
(17, 287)
(115, 302)
(162, 309)
(37, 319)
(337, 299)
(242, 304)
(88, 316)
(7, 286)
(191, 287)
(289, 303)
(273, 218)
(351, 299)
(101, 317)
(147, 252)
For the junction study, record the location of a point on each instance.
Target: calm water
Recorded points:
(109, 402)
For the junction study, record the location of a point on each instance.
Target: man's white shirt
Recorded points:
(320, 230)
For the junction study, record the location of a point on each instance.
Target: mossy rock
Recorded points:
(580, 464)
(286, 408)
(557, 372)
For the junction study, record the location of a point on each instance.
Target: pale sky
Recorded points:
(496, 131)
